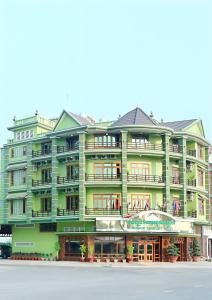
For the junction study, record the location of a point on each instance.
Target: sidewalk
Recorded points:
(8, 262)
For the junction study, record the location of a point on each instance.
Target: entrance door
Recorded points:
(145, 251)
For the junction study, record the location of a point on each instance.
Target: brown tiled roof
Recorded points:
(82, 120)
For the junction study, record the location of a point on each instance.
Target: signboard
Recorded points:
(147, 222)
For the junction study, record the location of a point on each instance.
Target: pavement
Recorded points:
(39, 280)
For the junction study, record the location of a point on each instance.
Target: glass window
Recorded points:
(200, 177)
(140, 169)
(139, 201)
(17, 207)
(106, 201)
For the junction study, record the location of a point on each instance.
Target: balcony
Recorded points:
(64, 149)
(192, 214)
(175, 180)
(61, 212)
(41, 213)
(37, 183)
(145, 178)
(66, 180)
(145, 146)
(96, 145)
(174, 148)
(192, 182)
(192, 153)
(40, 153)
(102, 211)
(94, 177)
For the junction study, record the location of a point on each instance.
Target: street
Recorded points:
(74, 281)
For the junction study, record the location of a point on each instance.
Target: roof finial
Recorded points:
(119, 116)
(14, 118)
(36, 112)
(151, 115)
(161, 120)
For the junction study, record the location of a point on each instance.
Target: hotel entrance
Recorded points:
(146, 249)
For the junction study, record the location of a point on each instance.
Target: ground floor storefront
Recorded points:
(142, 237)
(112, 247)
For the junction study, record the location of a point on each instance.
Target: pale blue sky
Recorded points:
(105, 57)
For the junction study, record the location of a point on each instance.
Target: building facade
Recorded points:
(135, 181)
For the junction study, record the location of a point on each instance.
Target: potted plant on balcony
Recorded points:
(173, 252)
(83, 250)
(130, 250)
(195, 251)
(90, 253)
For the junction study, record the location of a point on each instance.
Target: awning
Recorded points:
(16, 196)
(17, 167)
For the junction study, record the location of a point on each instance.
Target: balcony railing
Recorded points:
(175, 180)
(96, 145)
(93, 177)
(62, 149)
(192, 214)
(174, 148)
(146, 178)
(192, 153)
(41, 182)
(64, 180)
(61, 212)
(40, 153)
(191, 182)
(145, 146)
(41, 213)
(102, 211)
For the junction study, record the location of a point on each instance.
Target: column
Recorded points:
(54, 179)
(183, 179)
(166, 172)
(82, 191)
(29, 183)
(4, 183)
(124, 172)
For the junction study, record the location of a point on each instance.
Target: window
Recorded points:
(109, 245)
(31, 133)
(24, 150)
(106, 140)
(72, 202)
(106, 201)
(175, 175)
(107, 169)
(22, 135)
(140, 169)
(139, 201)
(72, 171)
(12, 152)
(140, 139)
(17, 177)
(46, 175)
(27, 134)
(48, 227)
(17, 207)
(200, 151)
(201, 206)
(72, 143)
(46, 204)
(200, 177)
(46, 148)
(18, 136)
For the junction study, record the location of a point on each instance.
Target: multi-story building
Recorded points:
(105, 184)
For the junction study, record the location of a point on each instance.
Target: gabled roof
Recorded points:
(178, 125)
(134, 117)
(82, 120)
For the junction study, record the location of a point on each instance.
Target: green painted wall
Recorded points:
(43, 242)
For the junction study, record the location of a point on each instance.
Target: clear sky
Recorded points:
(105, 57)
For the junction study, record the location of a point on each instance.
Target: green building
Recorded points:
(134, 181)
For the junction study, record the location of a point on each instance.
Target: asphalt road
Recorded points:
(21, 282)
